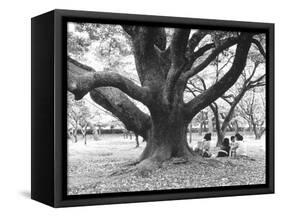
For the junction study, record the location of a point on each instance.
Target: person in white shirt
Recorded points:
(242, 146)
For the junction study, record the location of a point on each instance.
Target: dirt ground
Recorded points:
(102, 167)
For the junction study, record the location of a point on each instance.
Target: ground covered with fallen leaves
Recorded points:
(103, 167)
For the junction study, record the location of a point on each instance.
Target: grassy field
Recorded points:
(97, 168)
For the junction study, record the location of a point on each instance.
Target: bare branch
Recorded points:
(195, 40)
(191, 91)
(195, 70)
(202, 50)
(253, 72)
(259, 46)
(203, 82)
(218, 89)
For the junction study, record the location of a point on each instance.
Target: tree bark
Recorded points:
(123, 108)
(166, 139)
(190, 132)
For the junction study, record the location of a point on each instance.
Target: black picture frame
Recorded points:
(48, 148)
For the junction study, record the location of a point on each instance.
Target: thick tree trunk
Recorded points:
(166, 140)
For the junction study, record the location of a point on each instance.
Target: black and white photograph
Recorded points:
(140, 108)
(153, 108)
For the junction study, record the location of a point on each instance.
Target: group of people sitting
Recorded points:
(227, 148)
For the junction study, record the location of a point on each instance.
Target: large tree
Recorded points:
(163, 69)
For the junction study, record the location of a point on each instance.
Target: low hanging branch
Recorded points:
(123, 108)
(111, 99)
(82, 80)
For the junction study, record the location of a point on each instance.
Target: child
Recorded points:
(233, 147)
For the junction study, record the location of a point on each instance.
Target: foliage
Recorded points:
(109, 43)
(77, 112)
(252, 109)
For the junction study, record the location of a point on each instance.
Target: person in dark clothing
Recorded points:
(208, 136)
(224, 151)
(239, 137)
(206, 145)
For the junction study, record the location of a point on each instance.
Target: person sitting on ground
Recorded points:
(203, 144)
(224, 151)
(206, 145)
(233, 146)
(239, 142)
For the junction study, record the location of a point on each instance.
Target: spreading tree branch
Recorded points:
(123, 108)
(259, 46)
(195, 70)
(177, 54)
(195, 40)
(147, 42)
(82, 79)
(219, 88)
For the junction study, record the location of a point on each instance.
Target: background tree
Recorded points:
(224, 108)
(78, 116)
(252, 109)
(163, 69)
(202, 119)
